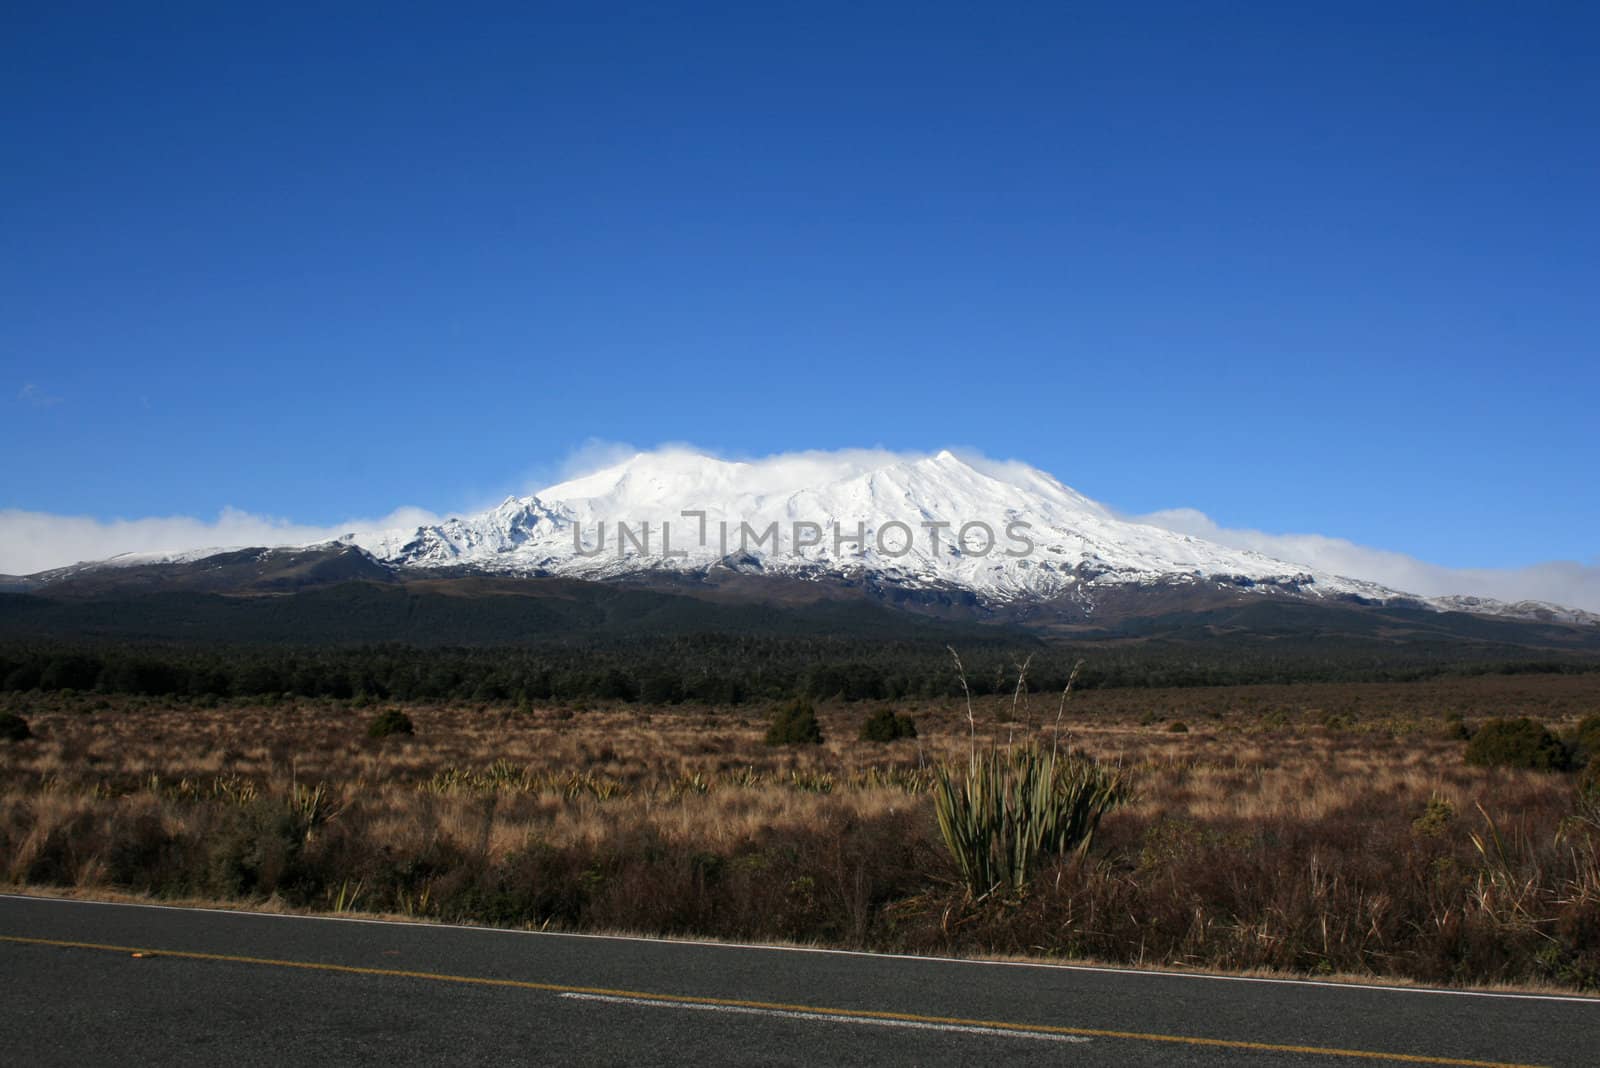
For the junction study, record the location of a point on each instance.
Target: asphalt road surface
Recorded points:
(84, 983)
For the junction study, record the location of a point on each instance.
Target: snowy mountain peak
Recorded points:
(951, 525)
(1003, 531)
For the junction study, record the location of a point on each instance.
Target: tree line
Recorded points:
(716, 669)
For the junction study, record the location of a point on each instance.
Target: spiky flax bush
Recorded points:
(1008, 811)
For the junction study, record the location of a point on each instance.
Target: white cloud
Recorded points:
(32, 394)
(771, 473)
(37, 541)
(1563, 582)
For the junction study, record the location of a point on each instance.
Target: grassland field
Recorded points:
(1316, 829)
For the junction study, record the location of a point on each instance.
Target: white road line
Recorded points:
(1146, 973)
(827, 1017)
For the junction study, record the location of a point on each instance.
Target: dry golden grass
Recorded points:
(1279, 831)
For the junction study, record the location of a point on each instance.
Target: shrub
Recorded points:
(1586, 800)
(1586, 741)
(1177, 726)
(258, 849)
(390, 721)
(884, 726)
(1590, 779)
(1435, 819)
(1516, 743)
(1010, 811)
(13, 728)
(795, 724)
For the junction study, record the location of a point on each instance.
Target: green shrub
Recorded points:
(795, 724)
(1586, 799)
(1009, 812)
(257, 850)
(884, 726)
(1435, 819)
(13, 728)
(1586, 741)
(391, 721)
(1516, 743)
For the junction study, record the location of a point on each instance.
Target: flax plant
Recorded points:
(1009, 810)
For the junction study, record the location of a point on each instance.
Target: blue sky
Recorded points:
(1319, 268)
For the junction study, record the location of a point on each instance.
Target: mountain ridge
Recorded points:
(1010, 539)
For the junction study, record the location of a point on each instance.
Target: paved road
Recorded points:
(85, 983)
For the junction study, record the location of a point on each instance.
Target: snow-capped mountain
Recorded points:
(1003, 532)
(936, 530)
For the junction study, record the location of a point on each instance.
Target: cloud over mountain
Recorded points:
(34, 541)
(1565, 582)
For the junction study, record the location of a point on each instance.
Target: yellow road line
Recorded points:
(684, 999)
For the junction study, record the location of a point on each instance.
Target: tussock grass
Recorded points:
(1260, 839)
